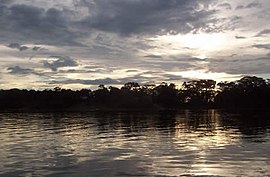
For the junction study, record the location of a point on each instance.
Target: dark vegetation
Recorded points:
(248, 92)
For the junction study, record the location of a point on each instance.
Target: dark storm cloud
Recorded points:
(59, 62)
(261, 46)
(263, 33)
(151, 16)
(34, 24)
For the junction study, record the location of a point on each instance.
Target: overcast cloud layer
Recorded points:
(83, 43)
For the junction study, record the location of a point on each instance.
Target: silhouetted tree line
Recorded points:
(248, 92)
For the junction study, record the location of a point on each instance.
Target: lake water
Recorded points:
(186, 143)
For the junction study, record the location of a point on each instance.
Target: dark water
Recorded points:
(187, 143)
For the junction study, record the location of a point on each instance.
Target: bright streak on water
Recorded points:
(187, 143)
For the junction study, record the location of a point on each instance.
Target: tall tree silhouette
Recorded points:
(198, 92)
(248, 92)
(166, 95)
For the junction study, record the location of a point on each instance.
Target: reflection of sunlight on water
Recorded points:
(203, 132)
(189, 142)
(202, 135)
(189, 151)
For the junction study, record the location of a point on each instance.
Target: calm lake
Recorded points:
(186, 143)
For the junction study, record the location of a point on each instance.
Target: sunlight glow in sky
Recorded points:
(84, 43)
(200, 43)
(203, 74)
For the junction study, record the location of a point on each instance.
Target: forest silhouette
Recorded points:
(248, 92)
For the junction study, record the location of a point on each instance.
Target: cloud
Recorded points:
(254, 4)
(147, 17)
(122, 33)
(153, 56)
(19, 70)
(245, 66)
(6, 1)
(36, 24)
(171, 77)
(151, 77)
(240, 7)
(105, 81)
(226, 6)
(24, 47)
(141, 78)
(240, 37)
(66, 26)
(35, 48)
(18, 46)
(132, 71)
(262, 46)
(59, 62)
(263, 33)
(14, 45)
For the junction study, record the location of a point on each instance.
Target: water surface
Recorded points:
(186, 143)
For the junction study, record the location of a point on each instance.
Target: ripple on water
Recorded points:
(187, 143)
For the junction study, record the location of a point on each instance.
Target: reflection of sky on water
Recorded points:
(189, 142)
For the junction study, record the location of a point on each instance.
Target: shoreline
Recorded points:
(135, 110)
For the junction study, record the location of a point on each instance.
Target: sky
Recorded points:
(83, 43)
